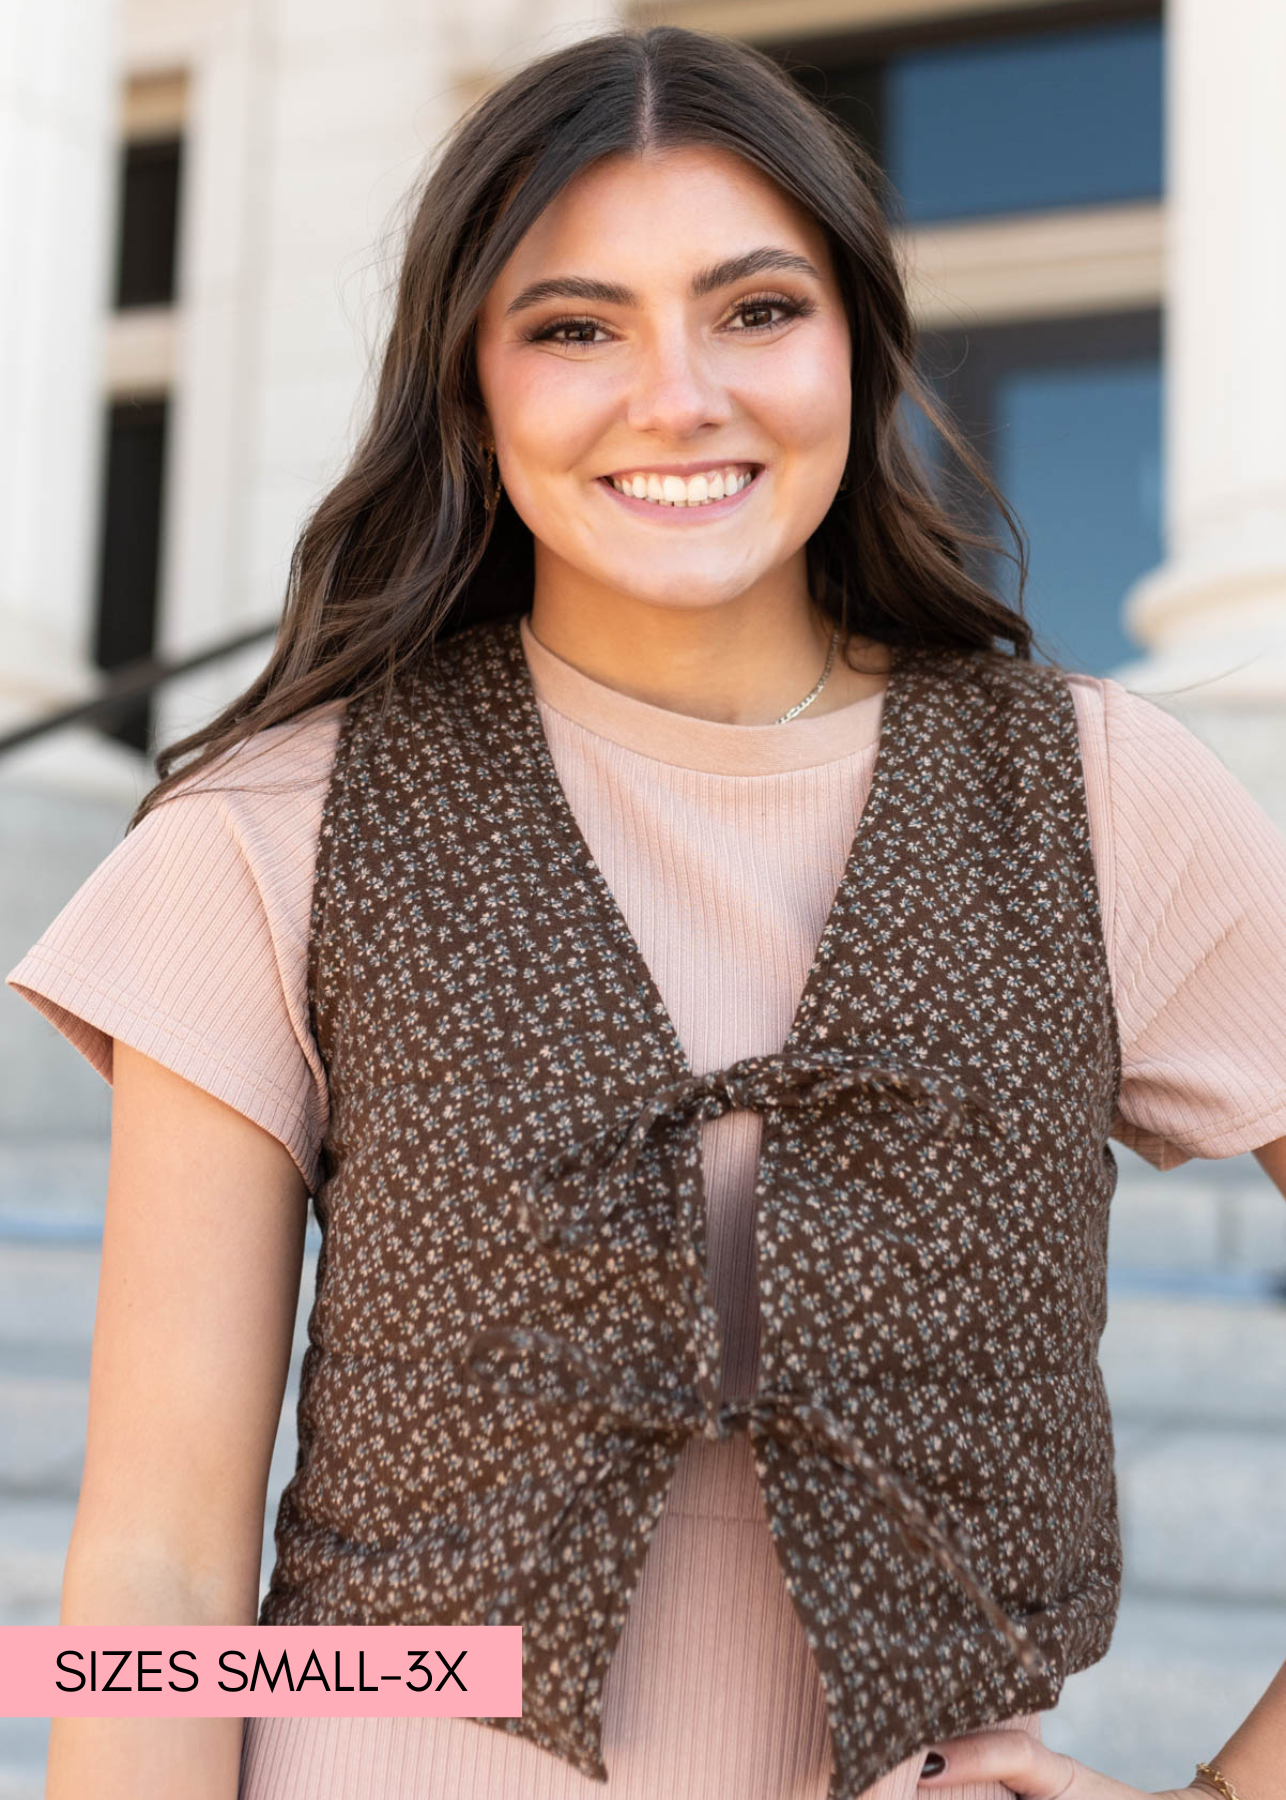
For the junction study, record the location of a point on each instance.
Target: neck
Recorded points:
(743, 661)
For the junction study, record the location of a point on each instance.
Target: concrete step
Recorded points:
(34, 1534)
(53, 1190)
(1202, 1517)
(1219, 1224)
(42, 1435)
(1179, 1677)
(1196, 1360)
(24, 1746)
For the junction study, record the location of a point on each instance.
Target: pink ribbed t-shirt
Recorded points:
(723, 845)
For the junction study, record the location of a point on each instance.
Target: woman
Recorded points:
(634, 496)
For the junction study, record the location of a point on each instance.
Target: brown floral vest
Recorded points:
(513, 1334)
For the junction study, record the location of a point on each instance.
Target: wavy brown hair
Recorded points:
(400, 550)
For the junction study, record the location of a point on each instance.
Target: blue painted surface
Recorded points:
(1077, 453)
(1068, 118)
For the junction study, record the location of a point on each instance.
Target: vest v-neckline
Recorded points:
(540, 773)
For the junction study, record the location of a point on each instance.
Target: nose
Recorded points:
(675, 392)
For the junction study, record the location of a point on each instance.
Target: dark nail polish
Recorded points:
(933, 1764)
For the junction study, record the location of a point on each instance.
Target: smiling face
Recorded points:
(665, 363)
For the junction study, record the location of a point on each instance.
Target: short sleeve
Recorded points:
(1197, 934)
(189, 940)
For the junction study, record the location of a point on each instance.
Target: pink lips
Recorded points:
(670, 515)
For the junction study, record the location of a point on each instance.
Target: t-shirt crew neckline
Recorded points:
(692, 743)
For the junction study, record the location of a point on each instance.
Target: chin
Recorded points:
(685, 585)
(680, 595)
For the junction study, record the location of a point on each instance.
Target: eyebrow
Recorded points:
(609, 293)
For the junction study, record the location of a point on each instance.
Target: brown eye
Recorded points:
(548, 334)
(761, 305)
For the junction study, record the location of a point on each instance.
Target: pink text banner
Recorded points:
(260, 1671)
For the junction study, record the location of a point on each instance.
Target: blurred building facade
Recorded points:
(203, 232)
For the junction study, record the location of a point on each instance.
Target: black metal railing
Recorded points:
(125, 686)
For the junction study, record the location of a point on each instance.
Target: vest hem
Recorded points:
(587, 1762)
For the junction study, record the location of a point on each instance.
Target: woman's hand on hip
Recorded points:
(1021, 1762)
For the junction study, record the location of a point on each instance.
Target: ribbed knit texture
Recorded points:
(723, 846)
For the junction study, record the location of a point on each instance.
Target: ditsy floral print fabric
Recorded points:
(512, 1335)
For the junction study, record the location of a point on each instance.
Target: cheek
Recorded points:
(547, 413)
(802, 395)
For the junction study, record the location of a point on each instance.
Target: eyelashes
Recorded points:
(784, 303)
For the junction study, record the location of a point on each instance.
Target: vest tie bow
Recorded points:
(756, 1084)
(579, 1378)
(555, 1370)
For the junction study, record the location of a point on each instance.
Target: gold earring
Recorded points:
(492, 492)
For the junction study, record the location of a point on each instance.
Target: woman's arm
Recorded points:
(202, 1251)
(1272, 1158)
(1254, 1757)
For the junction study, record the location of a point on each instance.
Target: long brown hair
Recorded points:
(400, 550)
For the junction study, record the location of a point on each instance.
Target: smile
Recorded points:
(715, 489)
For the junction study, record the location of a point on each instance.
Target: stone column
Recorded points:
(58, 144)
(1214, 612)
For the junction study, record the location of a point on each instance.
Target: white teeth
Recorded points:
(673, 490)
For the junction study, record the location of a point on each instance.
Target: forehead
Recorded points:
(649, 220)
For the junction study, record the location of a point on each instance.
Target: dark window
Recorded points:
(1067, 416)
(1032, 119)
(129, 549)
(148, 222)
(1065, 119)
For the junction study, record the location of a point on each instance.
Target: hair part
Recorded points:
(400, 550)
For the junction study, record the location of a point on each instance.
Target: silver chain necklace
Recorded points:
(809, 698)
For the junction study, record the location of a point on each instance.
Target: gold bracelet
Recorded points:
(1219, 1780)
